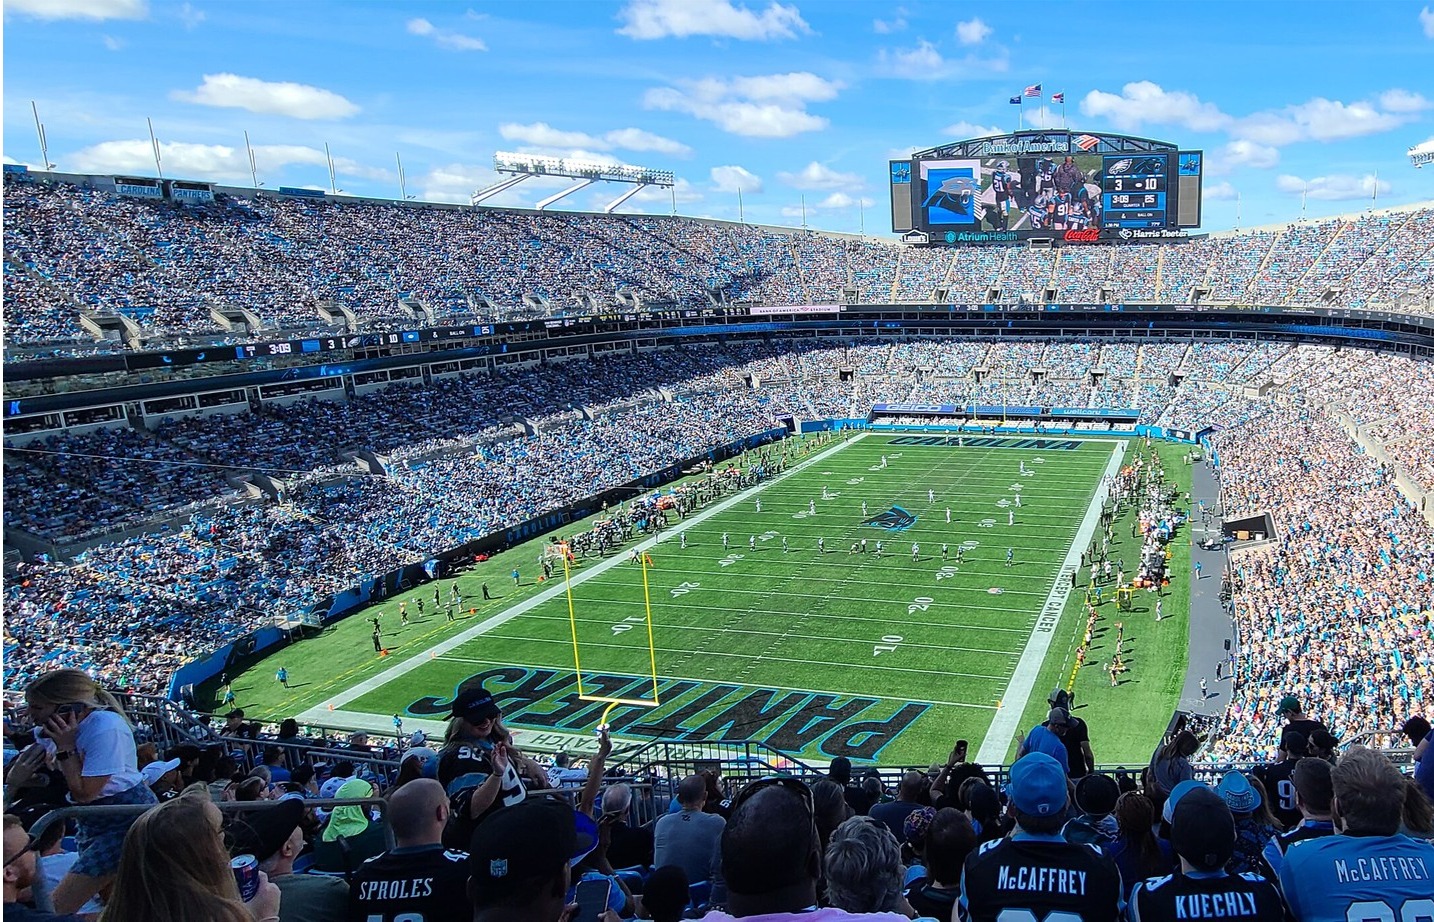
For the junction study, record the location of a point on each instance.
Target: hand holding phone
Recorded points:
(592, 897)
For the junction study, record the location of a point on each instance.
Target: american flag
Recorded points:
(1058, 97)
(1033, 90)
(1086, 142)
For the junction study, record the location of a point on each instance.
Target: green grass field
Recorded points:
(817, 653)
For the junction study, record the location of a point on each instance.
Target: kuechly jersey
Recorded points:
(1027, 880)
(423, 884)
(1201, 897)
(1359, 879)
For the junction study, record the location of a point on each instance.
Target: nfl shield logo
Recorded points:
(498, 867)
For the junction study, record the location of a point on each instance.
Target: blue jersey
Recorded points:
(1359, 878)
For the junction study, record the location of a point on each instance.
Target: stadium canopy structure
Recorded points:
(523, 166)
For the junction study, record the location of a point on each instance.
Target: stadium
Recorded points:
(305, 485)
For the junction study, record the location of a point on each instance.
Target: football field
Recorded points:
(770, 625)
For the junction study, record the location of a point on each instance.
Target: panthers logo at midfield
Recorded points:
(893, 519)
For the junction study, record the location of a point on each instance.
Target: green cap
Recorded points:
(1289, 704)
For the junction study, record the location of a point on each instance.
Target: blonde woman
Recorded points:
(86, 735)
(175, 868)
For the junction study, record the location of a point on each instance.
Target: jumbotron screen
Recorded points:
(1068, 185)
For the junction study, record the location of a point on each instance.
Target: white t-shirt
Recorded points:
(107, 743)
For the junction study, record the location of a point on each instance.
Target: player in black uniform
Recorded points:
(1278, 778)
(1202, 830)
(419, 878)
(1035, 872)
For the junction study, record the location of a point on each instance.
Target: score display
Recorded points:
(1134, 189)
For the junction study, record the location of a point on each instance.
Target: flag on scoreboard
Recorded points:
(1086, 142)
(1058, 97)
(1015, 100)
(1033, 90)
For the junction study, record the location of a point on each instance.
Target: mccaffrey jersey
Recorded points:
(1197, 897)
(1357, 878)
(1028, 878)
(422, 884)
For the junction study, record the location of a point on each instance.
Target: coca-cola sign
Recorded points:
(1087, 235)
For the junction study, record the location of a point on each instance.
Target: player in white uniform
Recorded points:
(915, 551)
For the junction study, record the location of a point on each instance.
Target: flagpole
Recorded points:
(1020, 116)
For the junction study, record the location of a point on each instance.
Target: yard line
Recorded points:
(1028, 613)
(776, 659)
(866, 641)
(320, 711)
(1006, 724)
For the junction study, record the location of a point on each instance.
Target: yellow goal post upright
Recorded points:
(645, 561)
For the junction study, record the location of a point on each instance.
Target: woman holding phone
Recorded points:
(86, 735)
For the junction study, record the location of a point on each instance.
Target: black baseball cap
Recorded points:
(474, 704)
(1202, 829)
(262, 831)
(237, 712)
(514, 846)
(1096, 794)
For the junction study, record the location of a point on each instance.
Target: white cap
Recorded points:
(157, 770)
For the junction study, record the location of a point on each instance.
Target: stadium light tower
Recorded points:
(523, 166)
(1421, 154)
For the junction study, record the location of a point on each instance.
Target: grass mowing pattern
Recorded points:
(793, 646)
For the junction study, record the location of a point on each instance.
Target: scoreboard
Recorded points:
(1065, 185)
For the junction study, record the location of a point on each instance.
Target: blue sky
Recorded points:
(786, 101)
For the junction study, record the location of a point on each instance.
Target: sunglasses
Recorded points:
(30, 844)
(776, 781)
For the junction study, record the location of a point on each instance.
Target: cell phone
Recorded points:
(961, 746)
(592, 897)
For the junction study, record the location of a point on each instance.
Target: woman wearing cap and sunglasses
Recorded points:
(478, 766)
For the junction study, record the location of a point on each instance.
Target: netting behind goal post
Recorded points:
(561, 552)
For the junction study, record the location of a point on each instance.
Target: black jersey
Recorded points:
(1186, 898)
(1278, 779)
(427, 883)
(1039, 876)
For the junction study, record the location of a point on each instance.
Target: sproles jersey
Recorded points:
(1028, 879)
(426, 883)
(1199, 897)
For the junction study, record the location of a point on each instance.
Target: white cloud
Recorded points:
(653, 19)
(79, 9)
(924, 61)
(543, 135)
(1426, 19)
(217, 162)
(888, 26)
(682, 189)
(842, 200)
(770, 106)
(190, 17)
(296, 100)
(1337, 188)
(1219, 192)
(972, 31)
(1244, 153)
(112, 43)
(1397, 100)
(445, 38)
(820, 176)
(732, 178)
(1326, 120)
(964, 129)
(1146, 103)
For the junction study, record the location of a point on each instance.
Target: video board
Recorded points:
(1076, 187)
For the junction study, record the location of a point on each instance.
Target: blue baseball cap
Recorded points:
(1038, 785)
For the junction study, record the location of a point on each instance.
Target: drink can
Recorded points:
(246, 876)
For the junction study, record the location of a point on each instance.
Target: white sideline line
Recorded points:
(1006, 723)
(324, 711)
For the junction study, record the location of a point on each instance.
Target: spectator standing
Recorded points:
(1296, 719)
(1277, 778)
(477, 763)
(1313, 792)
(1330, 878)
(1420, 737)
(1171, 763)
(1035, 870)
(1203, 834)
(1074, 734)
(274, 835)
(1252, 830)
(86, 735)
(893, 813)
(1045, 738)
(418, 876)
(689, 838)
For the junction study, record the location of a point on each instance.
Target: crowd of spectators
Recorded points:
(164, 265)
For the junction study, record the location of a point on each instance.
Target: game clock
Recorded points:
(1133, 190)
